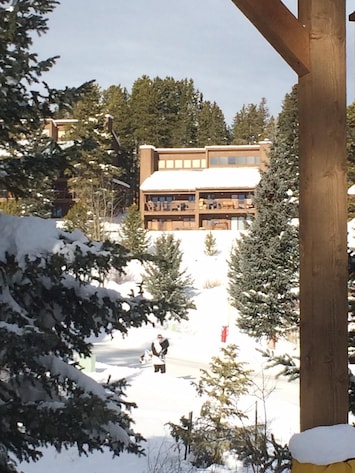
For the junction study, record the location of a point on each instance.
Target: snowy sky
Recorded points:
(209, 41)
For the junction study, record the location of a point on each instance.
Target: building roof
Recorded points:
(211, 178)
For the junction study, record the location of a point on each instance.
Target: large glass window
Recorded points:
(234, 160)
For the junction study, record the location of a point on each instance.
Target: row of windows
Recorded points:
(234, 160)
(214, 161)
(182, 163)
(169, 198)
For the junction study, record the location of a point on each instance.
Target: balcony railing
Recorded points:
(203, 205)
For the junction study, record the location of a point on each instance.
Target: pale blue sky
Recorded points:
(209, 41)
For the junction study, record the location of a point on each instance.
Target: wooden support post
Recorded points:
(314, 46)
(323, 216)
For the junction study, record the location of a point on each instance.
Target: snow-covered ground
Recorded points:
(164, 398)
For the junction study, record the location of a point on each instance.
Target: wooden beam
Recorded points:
(323, 216)
(281, 29)
(314, 46)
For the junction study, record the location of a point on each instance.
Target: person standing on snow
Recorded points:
(159, 349)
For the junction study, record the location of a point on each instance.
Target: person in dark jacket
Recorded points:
(159, 350)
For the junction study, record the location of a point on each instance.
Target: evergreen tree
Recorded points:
(77, 218)
(132, 234)
(171, 113)
(210, 245)
(184, 133)
(263, 267)
(22, 110)
(49, 305)
(212, 128)
(49, 309)
(214, 432)
(251, 124)
(115, 101)
(30, 163)
(143, 114)
(164, 279)
(92, 176)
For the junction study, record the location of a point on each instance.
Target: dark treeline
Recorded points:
(173, 113)
(162, 113)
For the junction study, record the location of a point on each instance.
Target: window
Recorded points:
(239, 223)
(57, 212)
(232, 160)
(178, 163)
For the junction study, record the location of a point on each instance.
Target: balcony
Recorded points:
(204, 206)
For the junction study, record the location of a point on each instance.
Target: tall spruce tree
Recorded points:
(92, 177)
(263, 266)
(172, 113)
(143, 114)
(251, 124)
(115, 100)
(212, 128)
(49, 306)
(165, 279)
(29, 162)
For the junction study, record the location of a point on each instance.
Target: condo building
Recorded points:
(206, 188)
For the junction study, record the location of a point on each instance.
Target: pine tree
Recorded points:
(251, 124)
(165, 280)
(115, 102)
(171, 113)
(30, 163)
(49, 308)
(143, 114)
(214, 432)
(92, 175)
(184, 132)
(49, 305)
(77, 218)
(210, 245)
(212, 128)
(263, 267)
(132, 234)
